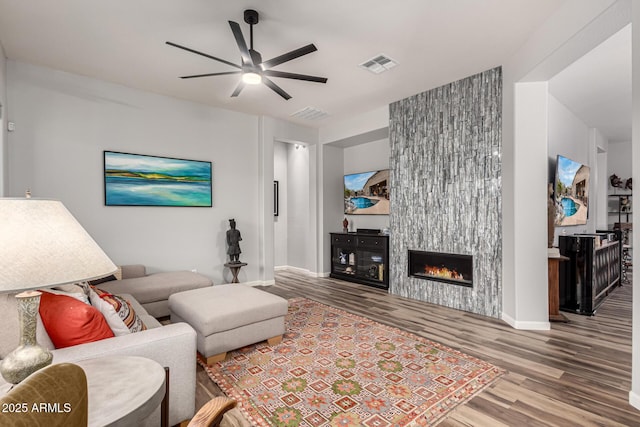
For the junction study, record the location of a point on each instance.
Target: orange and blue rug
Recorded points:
(334, 368)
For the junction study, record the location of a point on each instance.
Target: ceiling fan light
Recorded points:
(252, 78)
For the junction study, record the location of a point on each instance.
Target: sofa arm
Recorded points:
(173, 346)
(133, 271)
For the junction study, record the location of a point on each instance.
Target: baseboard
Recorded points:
(300, 270)
(527, 326)
(292, 268)
(260, 283)
(634, 399)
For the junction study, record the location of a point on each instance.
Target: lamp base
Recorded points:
(29, 356)
(23, 361)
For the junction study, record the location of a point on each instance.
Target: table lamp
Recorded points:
(41, 245)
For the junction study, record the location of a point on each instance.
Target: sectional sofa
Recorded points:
(172, 346)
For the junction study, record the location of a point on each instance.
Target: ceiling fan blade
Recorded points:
(210, 74)
(289, 56)
(203, 54)
(238, 89)
(274, 73)
(274, 87)
(242, 45)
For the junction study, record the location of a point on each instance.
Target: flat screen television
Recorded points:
(571, 192)
(367, 193)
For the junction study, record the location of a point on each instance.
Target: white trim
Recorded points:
(634, 399)
(259, 283)
(292, 268)
(529, 326)
(301, 271)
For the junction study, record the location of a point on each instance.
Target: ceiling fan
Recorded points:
(253, 69)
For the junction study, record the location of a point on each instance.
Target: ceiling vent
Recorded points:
(379, 64)
(310, 113)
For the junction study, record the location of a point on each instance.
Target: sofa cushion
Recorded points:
(124, 309)
(76, 290)
(157, 286)
(70, 322)
(80, 296)
(132, 271)
(110, 314)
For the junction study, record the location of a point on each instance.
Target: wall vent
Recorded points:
(310, 113)
(379, 64)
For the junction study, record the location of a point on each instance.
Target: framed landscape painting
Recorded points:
(140, 180)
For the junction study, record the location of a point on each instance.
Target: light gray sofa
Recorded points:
(173, 346)
(152, 291)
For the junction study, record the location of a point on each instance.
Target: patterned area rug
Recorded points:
(334, 368)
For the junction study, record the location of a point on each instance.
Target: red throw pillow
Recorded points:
(71, 322)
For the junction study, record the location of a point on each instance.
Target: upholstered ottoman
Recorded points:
(227, 317)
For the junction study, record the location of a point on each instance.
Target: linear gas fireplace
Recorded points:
(442, 267)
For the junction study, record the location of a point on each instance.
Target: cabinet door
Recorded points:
(343, 254)
(371, 264)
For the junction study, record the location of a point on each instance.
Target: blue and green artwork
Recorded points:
(139, 180)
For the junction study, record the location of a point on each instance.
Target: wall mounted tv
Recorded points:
(571, 192)
(367, 193)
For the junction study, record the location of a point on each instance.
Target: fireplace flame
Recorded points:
(443, 272)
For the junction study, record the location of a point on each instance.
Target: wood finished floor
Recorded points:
(577, 374)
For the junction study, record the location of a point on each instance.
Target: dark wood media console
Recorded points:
(360, 258)
(590, 274)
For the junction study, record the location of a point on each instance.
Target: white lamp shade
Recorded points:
(42, 245)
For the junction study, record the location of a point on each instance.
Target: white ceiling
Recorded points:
(597, 87)
(123, 41)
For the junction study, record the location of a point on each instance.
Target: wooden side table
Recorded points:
(554, 289)
(235, 269)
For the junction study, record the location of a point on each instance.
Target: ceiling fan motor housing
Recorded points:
(251, 17)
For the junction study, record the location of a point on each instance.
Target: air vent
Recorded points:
(310, 113)
(379, 64)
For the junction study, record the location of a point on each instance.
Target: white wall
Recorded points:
(530, 123)
(65, 121)
(280, 222)
(599, 146)
(569, 137)
(3, 123)
(364, 124)
(333, 200)
(619, 159)
(298, 235)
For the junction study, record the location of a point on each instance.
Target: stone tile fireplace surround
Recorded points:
(446, 147)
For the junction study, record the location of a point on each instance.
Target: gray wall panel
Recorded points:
(446, 145)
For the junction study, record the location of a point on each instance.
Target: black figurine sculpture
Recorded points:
(233, 241)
